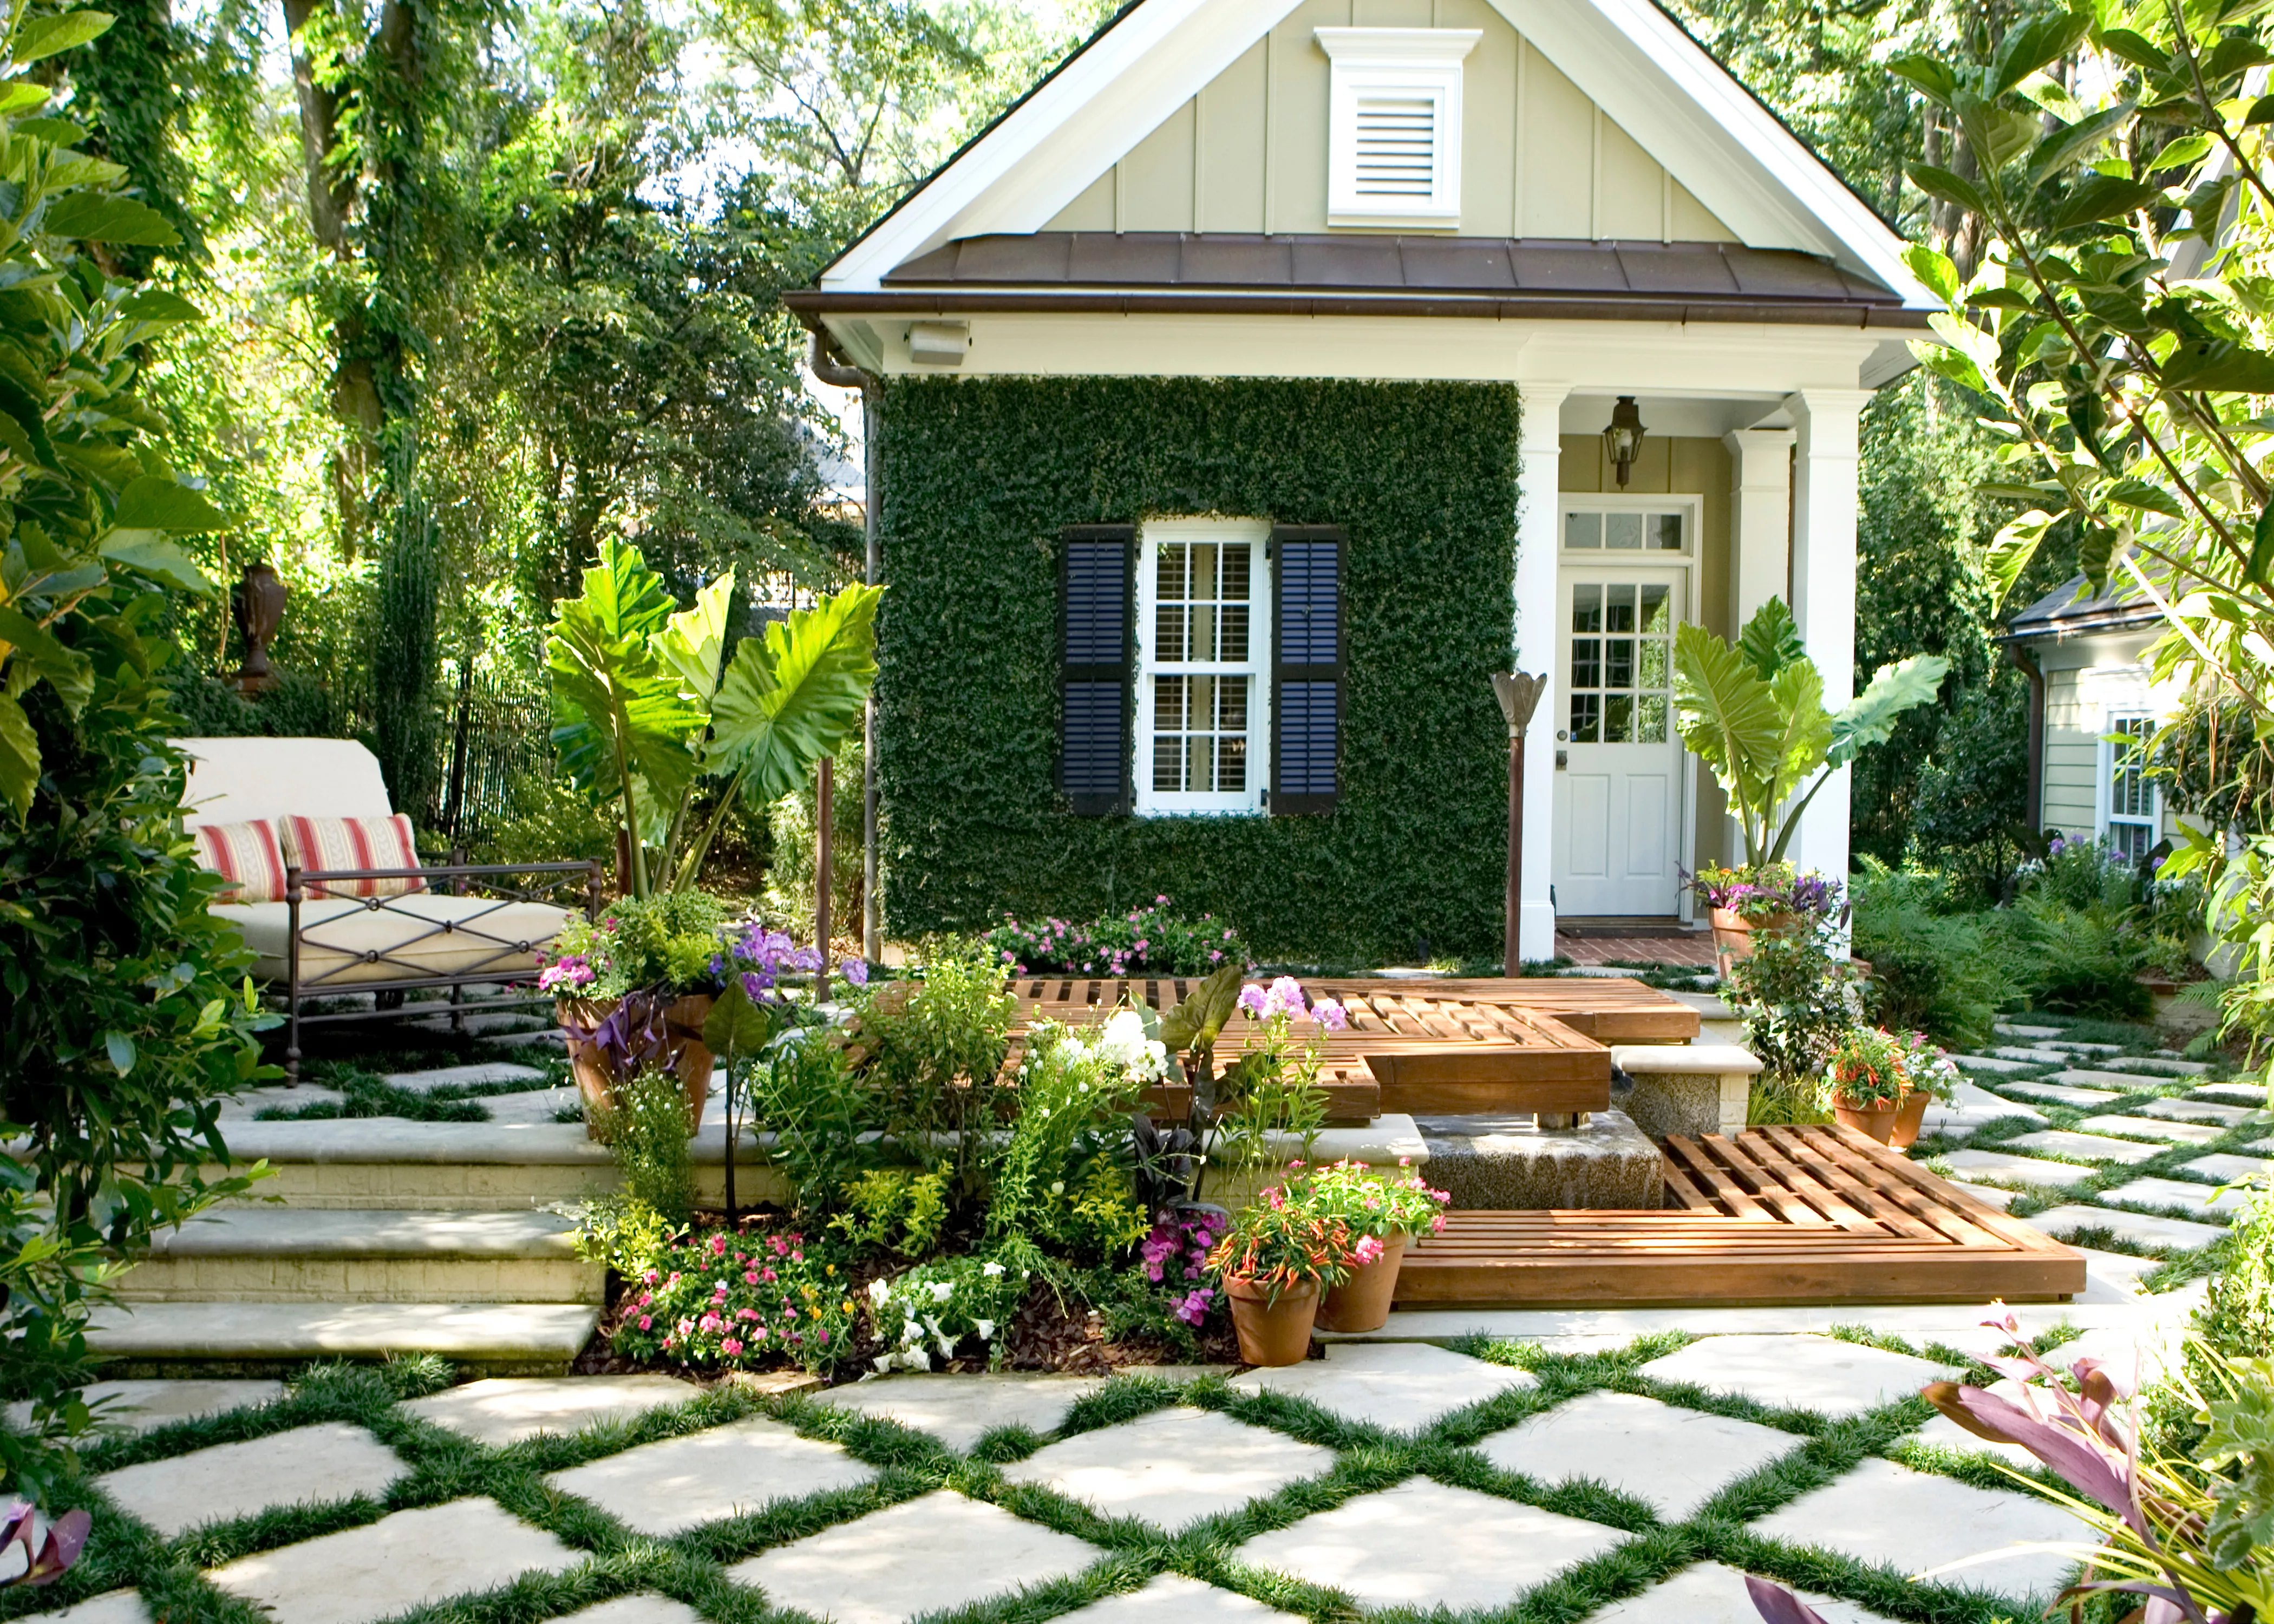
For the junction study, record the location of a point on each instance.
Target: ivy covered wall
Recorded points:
(979, 476)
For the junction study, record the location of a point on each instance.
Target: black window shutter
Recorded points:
(1307, 667)
(1097, 623)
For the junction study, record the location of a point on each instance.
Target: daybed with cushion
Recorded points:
(325, 883)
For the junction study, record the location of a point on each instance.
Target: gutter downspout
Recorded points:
(2027, 662)
(842, 376)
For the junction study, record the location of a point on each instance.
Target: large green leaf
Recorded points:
(2026, 48)
(622, 727)
(153, 504)
(1869, 717)
(1803, 728)
(70, 673)
(19, 756)
(694, 639)
(1771, 640)
(795, 694)
(154, 554)
(90, 216)
(1725, 713)
(44, 36)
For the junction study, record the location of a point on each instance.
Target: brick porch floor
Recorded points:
(1694, 950)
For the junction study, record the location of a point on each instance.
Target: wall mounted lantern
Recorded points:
(1624, 438)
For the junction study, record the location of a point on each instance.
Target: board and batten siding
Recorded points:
(1249, 152)
(1677, 465)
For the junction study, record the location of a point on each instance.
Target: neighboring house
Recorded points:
(1245, 389)
(2091, 690)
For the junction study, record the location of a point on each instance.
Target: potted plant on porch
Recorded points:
(1382, 1212)
(1929, 1074)
(1867, 1082)
(1278, 1255)
(632, 989)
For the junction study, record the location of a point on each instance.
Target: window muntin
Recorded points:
(1644, 530)
(1621, 678)
(1203, 647)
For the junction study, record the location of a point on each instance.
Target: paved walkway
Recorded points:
(1691, 950)
(1632, 1485)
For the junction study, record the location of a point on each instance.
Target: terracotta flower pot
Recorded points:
(1362, 1302)
(690, 1057)
(1911, 1118)
(1874, 1122)
(1733, 933)
(1272, 1333)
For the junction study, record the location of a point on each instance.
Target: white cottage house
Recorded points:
(1150, 628)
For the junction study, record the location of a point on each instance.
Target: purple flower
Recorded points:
(1251, 999)
(1330, 1014)
(855, 971)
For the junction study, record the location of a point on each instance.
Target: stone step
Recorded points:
(268, 1254)
(218, 1338)
(390, 1163)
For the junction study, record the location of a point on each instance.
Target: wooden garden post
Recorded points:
(822, 819)
(1519, 696)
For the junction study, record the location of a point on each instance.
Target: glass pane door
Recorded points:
(1621, 680)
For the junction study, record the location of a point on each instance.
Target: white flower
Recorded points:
(1057, 1186)
(941, 1290)
(990, 1269)
(883, 1362)
(986, 1329)
(877, 1292)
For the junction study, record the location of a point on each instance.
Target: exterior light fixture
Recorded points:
(1519, 697)
(1624, 438)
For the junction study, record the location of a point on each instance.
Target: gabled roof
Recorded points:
(2071, 609)
(1658, 83)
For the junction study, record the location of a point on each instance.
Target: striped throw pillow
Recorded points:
(247, 858)
(322, 843)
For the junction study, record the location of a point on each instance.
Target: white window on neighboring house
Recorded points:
(2131, 818)
(1394, 125)
(1203, 657)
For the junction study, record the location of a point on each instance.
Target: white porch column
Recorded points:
(1824, 590)
(1760, 518)
(1540, 455)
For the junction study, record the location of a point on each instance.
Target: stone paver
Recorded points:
(2157, 1127)
(2085, 1147)
(1986, 1164)
(2058, 1094)
(538, 1105)
(2013, 1029)
(503, 1409)
(2164, 1066)
(1422, 1545)
(307, 1465)
(642, 1609)
(2073, 1046)
(2252, 1095)
(2228, 1166)
(2203, 1110)
(2184, 1194)
(1402, 1387)
(1995, 1066)
(959, 1411)
(395, 1564)
(483, 1074)
(141, 1406)
(2118, 1268)
(1911, 1522)
(1988, 1194)
(1172, 1467)
(1674, 1459)
(676, 1483)
(930, 1555)
(2134, 1229)
(111, 1607)
(1711, 1594)
(1172, 1599)
(1821, 1374)
(2030, 1055)
(2085, 1078)
(1971, 1109)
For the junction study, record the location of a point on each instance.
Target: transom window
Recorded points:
(1628, 530)
(1621, 673)
(2131, 826)
(1203, 615)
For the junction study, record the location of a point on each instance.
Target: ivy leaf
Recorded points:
(1946, 187)
(44, 36)
(2103, 197)
(151, 503)
(92, 217)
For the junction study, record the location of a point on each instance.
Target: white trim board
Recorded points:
(1658, 85)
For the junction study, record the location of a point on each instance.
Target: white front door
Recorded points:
(1618, 780)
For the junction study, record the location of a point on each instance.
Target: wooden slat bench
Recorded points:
(1770, 1215)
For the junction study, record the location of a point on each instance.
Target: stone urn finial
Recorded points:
(259, 604)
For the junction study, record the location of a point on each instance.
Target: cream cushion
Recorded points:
(336, 932)
(234, 779)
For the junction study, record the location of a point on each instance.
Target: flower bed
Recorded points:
(1150, 941)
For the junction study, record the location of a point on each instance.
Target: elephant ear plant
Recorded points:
(1754, 714)
(648, 707)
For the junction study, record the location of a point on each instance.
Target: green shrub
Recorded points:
(1934, 971)
(2237, 1316)
(1147, 941)
(2082, 961)
(824, 1121)
(895, 1209)
(1796, 1001)
(646, 1131)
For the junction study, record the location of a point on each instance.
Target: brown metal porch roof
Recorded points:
(1342, 275)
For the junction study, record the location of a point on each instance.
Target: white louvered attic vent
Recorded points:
(1394, 124)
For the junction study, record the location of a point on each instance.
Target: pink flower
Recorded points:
(1368, 1248)
(647, 1320)
(730, 1347)
(717, 1245)
(749, 1278)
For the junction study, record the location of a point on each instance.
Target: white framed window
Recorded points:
(1394, 125)
(1203, 665)
(2131, 816)
(1631, 529)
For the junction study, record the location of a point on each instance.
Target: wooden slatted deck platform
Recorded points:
(1773, 1215)
(1435, 1046)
